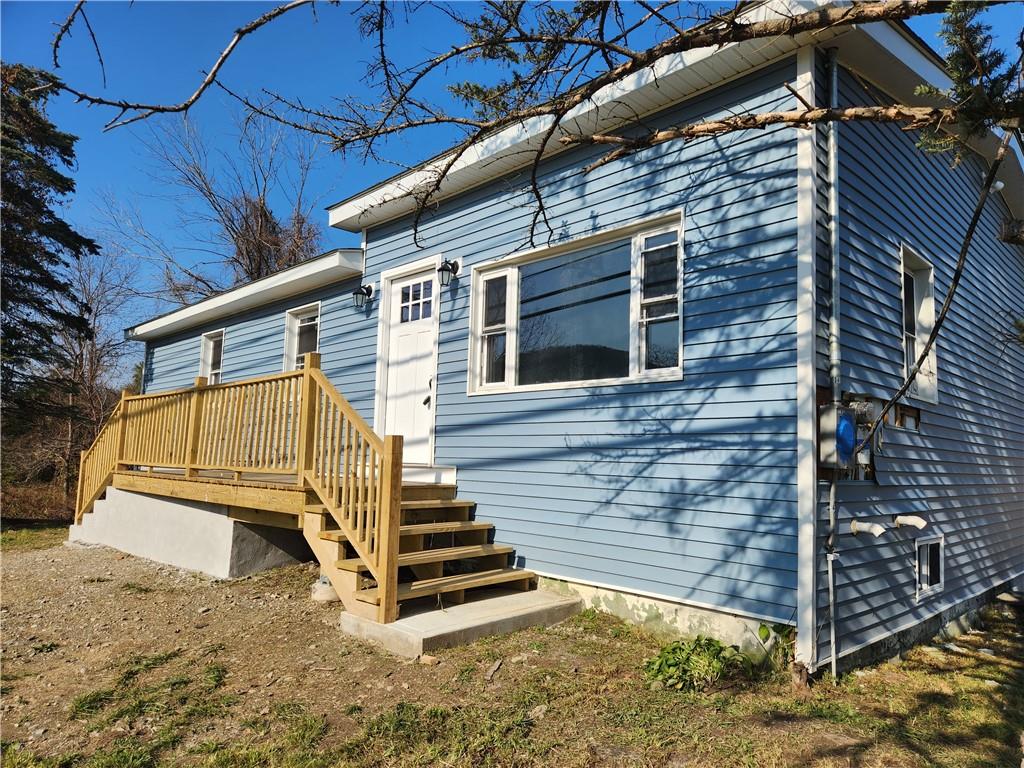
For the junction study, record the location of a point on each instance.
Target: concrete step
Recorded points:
(427, 587)
(432, 556)
(487, 611)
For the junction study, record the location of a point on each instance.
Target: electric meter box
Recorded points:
(837, 436)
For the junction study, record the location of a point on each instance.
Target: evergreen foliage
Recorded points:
(37, 246)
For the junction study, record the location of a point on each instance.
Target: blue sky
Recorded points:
(156, 51)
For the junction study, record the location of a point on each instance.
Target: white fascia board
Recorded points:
(332, 267)
(608, 108)
(883, 55)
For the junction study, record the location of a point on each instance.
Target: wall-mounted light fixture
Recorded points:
(446, 272)
(362, 294)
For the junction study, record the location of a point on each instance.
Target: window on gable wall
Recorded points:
(599, 313)
(211, 356)
(918, 320)
(302, 335)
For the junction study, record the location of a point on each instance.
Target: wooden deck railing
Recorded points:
(294, 424)
(358, 476)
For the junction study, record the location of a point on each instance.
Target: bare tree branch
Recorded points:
(914, 117)
(144, 110)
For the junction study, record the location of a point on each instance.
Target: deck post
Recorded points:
(307, 414)
(195, 423)
(390, 524)
(122, 428)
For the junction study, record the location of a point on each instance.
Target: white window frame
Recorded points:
(924, 590)
(292, 317)
(206, 356)
(509, 266)
(926, 383)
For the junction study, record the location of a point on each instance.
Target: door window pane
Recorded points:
(417, 302)
(574, 316)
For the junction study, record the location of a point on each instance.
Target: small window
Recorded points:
(495, 332)
(659, 301)
(907, 417)
(211, 356)
(918, 320)
(930, 566)
(302, 335)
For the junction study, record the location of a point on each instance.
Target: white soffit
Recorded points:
(880, 52)
(340, 264)
(671, 79)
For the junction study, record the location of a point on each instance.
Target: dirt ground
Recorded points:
(110, 661)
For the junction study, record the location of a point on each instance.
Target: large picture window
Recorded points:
(603, 311)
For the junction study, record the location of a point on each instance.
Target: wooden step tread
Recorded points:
(454, 526)
(427, 587)
(433, 556)
(437, 504)
(320, 509)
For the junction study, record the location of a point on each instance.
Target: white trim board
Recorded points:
(338, 265)
(806, 372)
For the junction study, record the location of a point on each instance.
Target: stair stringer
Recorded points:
(345, 583)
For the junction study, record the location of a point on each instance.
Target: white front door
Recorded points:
(409, 401)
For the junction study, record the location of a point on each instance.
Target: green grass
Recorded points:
(25, 537)
(578, 697)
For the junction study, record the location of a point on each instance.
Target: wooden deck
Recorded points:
(289, 451)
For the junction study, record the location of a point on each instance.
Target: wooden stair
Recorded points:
(458, 583)
(442, 551)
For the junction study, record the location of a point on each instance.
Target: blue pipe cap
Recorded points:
(846, 435)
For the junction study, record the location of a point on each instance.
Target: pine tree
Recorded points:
(36, 246)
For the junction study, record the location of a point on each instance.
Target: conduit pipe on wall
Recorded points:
(834, 359)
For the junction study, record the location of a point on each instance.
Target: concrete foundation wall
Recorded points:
(663, 618)
(193, 535)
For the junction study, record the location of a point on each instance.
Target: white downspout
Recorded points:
(834, 359)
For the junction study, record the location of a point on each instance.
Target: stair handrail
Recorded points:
(357, 474)
(96, 464)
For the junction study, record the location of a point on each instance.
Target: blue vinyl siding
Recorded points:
(964, 470)
(683, 488)
(254, 343)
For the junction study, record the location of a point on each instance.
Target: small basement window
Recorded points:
(302, 335)
(930, 565)
(211, 356)
(918, 320)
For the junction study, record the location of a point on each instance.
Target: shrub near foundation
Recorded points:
(698, 664)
